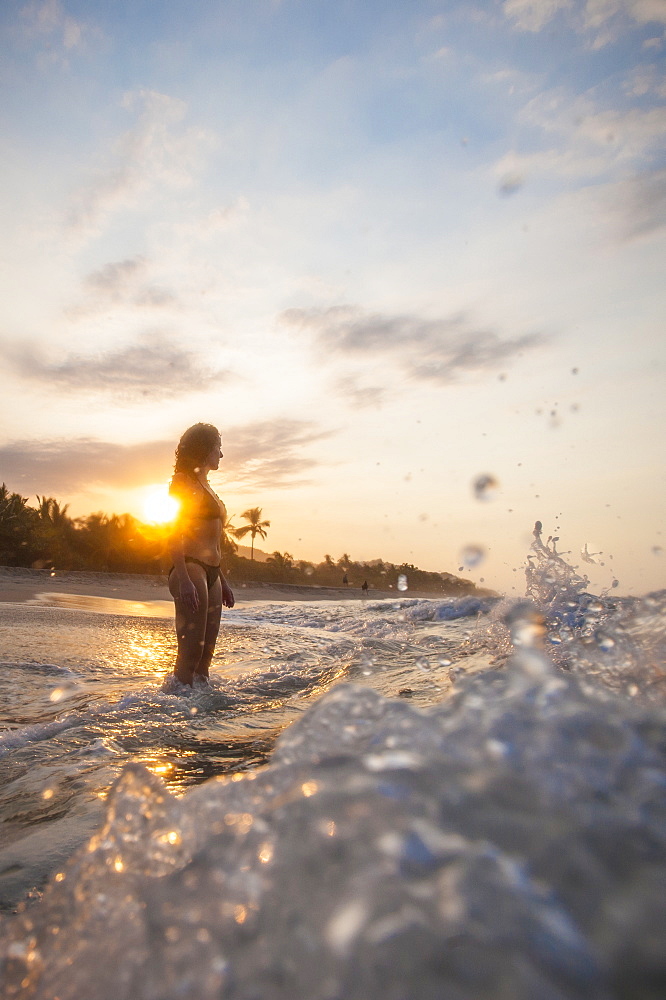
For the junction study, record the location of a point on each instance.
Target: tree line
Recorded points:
(46, 537)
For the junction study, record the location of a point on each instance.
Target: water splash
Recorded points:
(550, 578)
(600, 638)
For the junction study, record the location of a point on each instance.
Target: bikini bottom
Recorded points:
(213, 573)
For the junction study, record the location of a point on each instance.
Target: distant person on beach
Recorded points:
(364, 587)
(195, 579)
(345, 580)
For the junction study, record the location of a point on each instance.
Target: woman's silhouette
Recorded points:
(196, 582)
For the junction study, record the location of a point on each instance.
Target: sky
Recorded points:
(391, 250)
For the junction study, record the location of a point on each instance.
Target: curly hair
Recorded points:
(196, 443)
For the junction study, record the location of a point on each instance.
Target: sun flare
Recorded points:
(158, 506)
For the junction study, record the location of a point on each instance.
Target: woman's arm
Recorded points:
(228, 598)
(186, 591)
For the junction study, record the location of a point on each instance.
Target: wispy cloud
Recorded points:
(113, 278)
(638, 204)
(359, 396)
(47, 22)
(271, 454)
(268, 455)
(647, 79)
(533, 15)
(80, 464)
(157, 152)
(430, 350)
(583, 140)
(121, 283)
(154, 368)
(601, 20)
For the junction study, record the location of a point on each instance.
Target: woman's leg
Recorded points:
(212, 629)
(190, 625)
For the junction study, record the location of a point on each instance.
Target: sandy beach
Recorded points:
(20, 585)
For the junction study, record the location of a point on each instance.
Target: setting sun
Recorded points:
(158, 506)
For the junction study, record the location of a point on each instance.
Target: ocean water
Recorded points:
(393, 799)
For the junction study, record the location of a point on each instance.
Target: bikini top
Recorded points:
(196, 502)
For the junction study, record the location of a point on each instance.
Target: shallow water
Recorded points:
(466, 798)
(84, 695)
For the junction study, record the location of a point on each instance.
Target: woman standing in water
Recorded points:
(195, 580)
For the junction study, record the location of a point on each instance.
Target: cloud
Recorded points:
(585, 141)
(428, 350)
(156, 153)
(638, 204)
(47, 21)
(120, 282)
(605, 19)
(646, 79)
(76, 465)
(113, 278)
(154, 368)
(360, 397)
(265, 455)
(270, 454)
(533, 15)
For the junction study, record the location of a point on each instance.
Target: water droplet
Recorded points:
(423, 663)
(367, 664)
(444, 662)
(485, 487)
(604, 641)
(657, 550)
(472, 555)
(402, 582)
(615, 583)
(525, 624)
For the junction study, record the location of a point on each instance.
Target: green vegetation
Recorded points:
(281, 567)
(254, 527)
(45, 537)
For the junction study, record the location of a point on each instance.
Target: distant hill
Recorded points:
(259, 556)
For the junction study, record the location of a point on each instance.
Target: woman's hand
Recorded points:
(188, 594)
(228, 598)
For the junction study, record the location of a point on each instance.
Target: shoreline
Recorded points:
(22, 585)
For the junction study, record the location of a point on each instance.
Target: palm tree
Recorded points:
(282, 564)
(228, 529)
(16, 529)
(50, 512)
(255, 526)
(55, 532)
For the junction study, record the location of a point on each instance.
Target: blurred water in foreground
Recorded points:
(466, 799)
